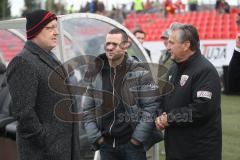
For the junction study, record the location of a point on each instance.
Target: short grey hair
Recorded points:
(187, 33)
(175, 25)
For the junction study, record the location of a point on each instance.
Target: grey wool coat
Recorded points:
(41, 135)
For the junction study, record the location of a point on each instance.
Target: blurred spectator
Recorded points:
(218, 5)
(226, 7)
(168, 8)
(222, 6)
(85, 8)
(147, 5)
(165, 55)
(155, 7)
(237, 20)
(179, 6)
(71, 9)
(193, 5)
(165, 58)
(140, 35)
(125, 11)
(137, 6)
(59, 8)
(100, 8)
(93, 6)
(118, 15)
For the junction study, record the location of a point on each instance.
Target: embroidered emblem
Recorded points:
(183, 79)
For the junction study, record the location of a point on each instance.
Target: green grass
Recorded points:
(230, 127)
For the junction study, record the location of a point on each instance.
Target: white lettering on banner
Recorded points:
(218, 52)
(215, 51)
(204, 94)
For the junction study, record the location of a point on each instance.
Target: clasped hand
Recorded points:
(161, 121)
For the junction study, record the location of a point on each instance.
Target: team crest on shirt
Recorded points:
(183, 79)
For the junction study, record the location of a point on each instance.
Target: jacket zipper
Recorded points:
(114, 116)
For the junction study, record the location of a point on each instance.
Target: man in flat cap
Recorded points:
(165, 55)
(41, 135)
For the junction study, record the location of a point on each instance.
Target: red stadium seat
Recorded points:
(210, 24)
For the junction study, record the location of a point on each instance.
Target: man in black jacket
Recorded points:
(34, 76)
(234, 69)
(234, 65)
(191, 115)
(120, 119)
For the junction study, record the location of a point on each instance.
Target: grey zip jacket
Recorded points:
(139, 95)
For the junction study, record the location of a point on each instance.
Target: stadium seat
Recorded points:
(207, 23)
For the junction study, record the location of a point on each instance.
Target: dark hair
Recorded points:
(119, 31)
(189, 33)
(139, 31)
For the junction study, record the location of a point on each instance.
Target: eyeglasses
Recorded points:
(51, 28)
(122, 45)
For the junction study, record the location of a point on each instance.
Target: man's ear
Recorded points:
(125, 45)
(186, 45)
(128, 44)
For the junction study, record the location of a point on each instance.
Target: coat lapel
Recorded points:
(43, 55)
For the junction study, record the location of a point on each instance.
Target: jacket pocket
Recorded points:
(35, 137)
(56, 140)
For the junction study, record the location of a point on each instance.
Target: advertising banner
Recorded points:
(218, 52)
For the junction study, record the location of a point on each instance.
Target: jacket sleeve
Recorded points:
(149, 101)
(90, 119)
(234, 72)
(205, 101)
(23, 87)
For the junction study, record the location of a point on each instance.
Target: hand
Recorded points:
(135, 142)
(161, 122)
(100, 141)
(238, 40)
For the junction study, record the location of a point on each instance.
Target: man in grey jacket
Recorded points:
(5, 98)
(121, 103)
(41, 135)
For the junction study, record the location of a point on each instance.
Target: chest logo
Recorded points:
(183, 79)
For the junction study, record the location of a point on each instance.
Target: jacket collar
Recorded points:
(45, 57)
(127, 61)
(189, 60)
